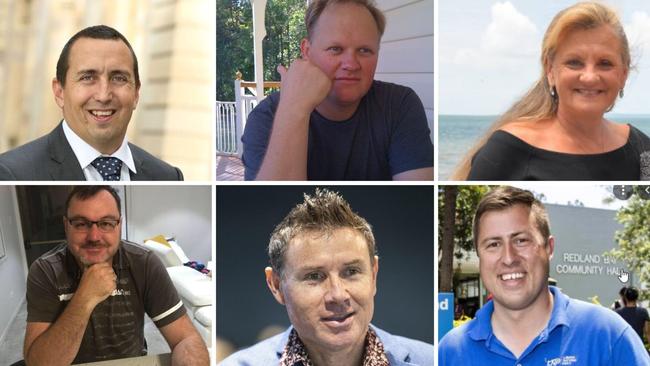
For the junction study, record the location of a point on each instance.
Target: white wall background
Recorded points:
(13, 266)
(406, 53)
(184, 212)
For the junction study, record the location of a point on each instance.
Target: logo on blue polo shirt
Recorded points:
(566, 360)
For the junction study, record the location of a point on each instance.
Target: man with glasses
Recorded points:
(86, 299)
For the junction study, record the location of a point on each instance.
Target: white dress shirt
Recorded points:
(86, 154)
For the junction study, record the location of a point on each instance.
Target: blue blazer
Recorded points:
(400, 351)
(50, 157)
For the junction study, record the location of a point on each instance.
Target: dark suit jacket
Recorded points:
(50, 157)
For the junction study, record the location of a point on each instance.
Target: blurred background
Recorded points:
(172, 40)
(402, 221)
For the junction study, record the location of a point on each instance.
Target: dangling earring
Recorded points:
(553, 92)
(620, 93)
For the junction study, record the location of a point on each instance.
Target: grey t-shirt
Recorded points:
(387, 135)
(116, 326)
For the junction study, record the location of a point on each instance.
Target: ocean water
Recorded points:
(457, 134)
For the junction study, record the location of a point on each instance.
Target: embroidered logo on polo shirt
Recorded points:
(562, 361)
(116, 292)
(120, 292)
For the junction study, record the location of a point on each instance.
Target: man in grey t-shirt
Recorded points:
(86, 300)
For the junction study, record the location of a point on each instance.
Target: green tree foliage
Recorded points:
(466, 202)
(466, 199)
(234, 45)
(284, 30)
(634, 239)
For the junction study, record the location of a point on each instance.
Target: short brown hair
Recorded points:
(323, 212)
(504, 197)
(94, 32)
(316, 8)
(83, 193)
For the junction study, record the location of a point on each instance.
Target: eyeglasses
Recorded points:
(83, 226)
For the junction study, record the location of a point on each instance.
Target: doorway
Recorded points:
(41, 217)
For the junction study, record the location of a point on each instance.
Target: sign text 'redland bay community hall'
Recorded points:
(587, 264)
(583, 239)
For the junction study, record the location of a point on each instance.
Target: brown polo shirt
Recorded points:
(116, 326)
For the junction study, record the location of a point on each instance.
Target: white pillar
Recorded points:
(240, 116)
(259, 32)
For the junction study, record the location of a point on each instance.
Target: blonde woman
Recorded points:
(557, 131)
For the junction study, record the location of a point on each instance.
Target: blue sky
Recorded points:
(489, 52)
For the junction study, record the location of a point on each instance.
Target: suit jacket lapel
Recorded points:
(397, 354)
(63, 164)
(140, 166)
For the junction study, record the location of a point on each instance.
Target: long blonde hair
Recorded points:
(537, 103)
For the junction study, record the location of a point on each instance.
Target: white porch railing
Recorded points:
(227, 136)
(232, 116)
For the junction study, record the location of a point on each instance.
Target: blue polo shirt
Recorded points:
(578, 333)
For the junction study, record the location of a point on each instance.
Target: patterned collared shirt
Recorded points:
(295, 352)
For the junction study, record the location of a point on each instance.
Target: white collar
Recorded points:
(86, 154)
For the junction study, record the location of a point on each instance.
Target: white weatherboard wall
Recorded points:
(12, 266)
(182, 211)
(406, 52)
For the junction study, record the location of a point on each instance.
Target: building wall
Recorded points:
(176, 115)
(12, 265)
(173, 120)
(406, 53)
(579, 232)
(184, 212)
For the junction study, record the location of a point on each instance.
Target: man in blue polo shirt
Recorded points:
(528, 322)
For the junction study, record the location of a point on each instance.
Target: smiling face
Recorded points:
(100, 92)
(328, 285)
(345, 45)
(588, 71)
(93, 246)
(514, 262)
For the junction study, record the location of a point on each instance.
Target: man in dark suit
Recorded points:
(97, 87)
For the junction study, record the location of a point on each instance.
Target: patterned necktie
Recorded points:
(108, 166)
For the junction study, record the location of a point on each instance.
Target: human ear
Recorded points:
(550, 247)
(625, 74)
(65, 225)
(137, 98)
(550, 79)
(548, 66)
(273, 282)
(375, 269)
(57, 89)
(305, 45)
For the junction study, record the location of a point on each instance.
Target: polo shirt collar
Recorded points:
(85, 153)
(481, 328)
(559, 315)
